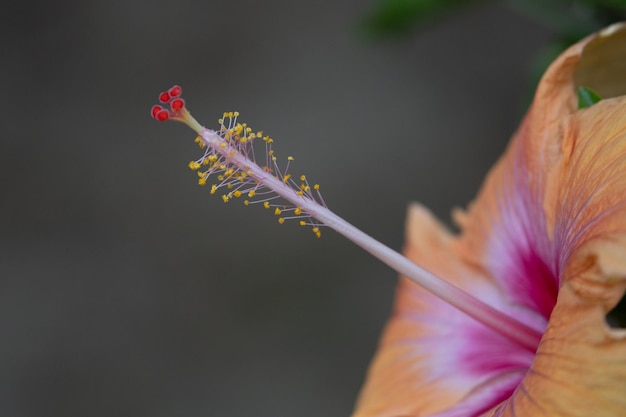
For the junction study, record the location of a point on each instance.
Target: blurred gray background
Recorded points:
(127, 290)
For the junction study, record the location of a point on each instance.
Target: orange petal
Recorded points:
(550, 218)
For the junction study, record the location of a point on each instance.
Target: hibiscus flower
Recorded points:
(544, 242)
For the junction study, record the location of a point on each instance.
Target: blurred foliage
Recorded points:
(571, 20)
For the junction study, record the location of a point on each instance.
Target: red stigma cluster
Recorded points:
(171, 97)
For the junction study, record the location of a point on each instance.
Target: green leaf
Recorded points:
(587, 97)
(398, 17)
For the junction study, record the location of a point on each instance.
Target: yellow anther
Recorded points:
(230, 114)
(302, 177)
(273, 158)
(201, 181)
(266, 204)
(286, 178)
(290, 158)
(259, 134)
(223, 145)
(220, 177)
(225, 198)
(193, 165)
(252, 136)
(237, 193)
(270, 152)
(232, 153)
(277, 211)
(307, 188)
(297, 211)
(229, 172)
(302, 223)
(229, 186)
(317, 232)
(281, 220)
(249, 172)
(246, 202)
(198, 139)
(220, 121)
(300, 193)
(251, 193)
(248, 129)
(223, 166)
(236, 114)
(213, 189)
(316, 186)
(212, 158)
(243, 140)
(225, 115)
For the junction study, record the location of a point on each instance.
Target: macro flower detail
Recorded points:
(507, 317)
(544, 242)
(230, 158)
